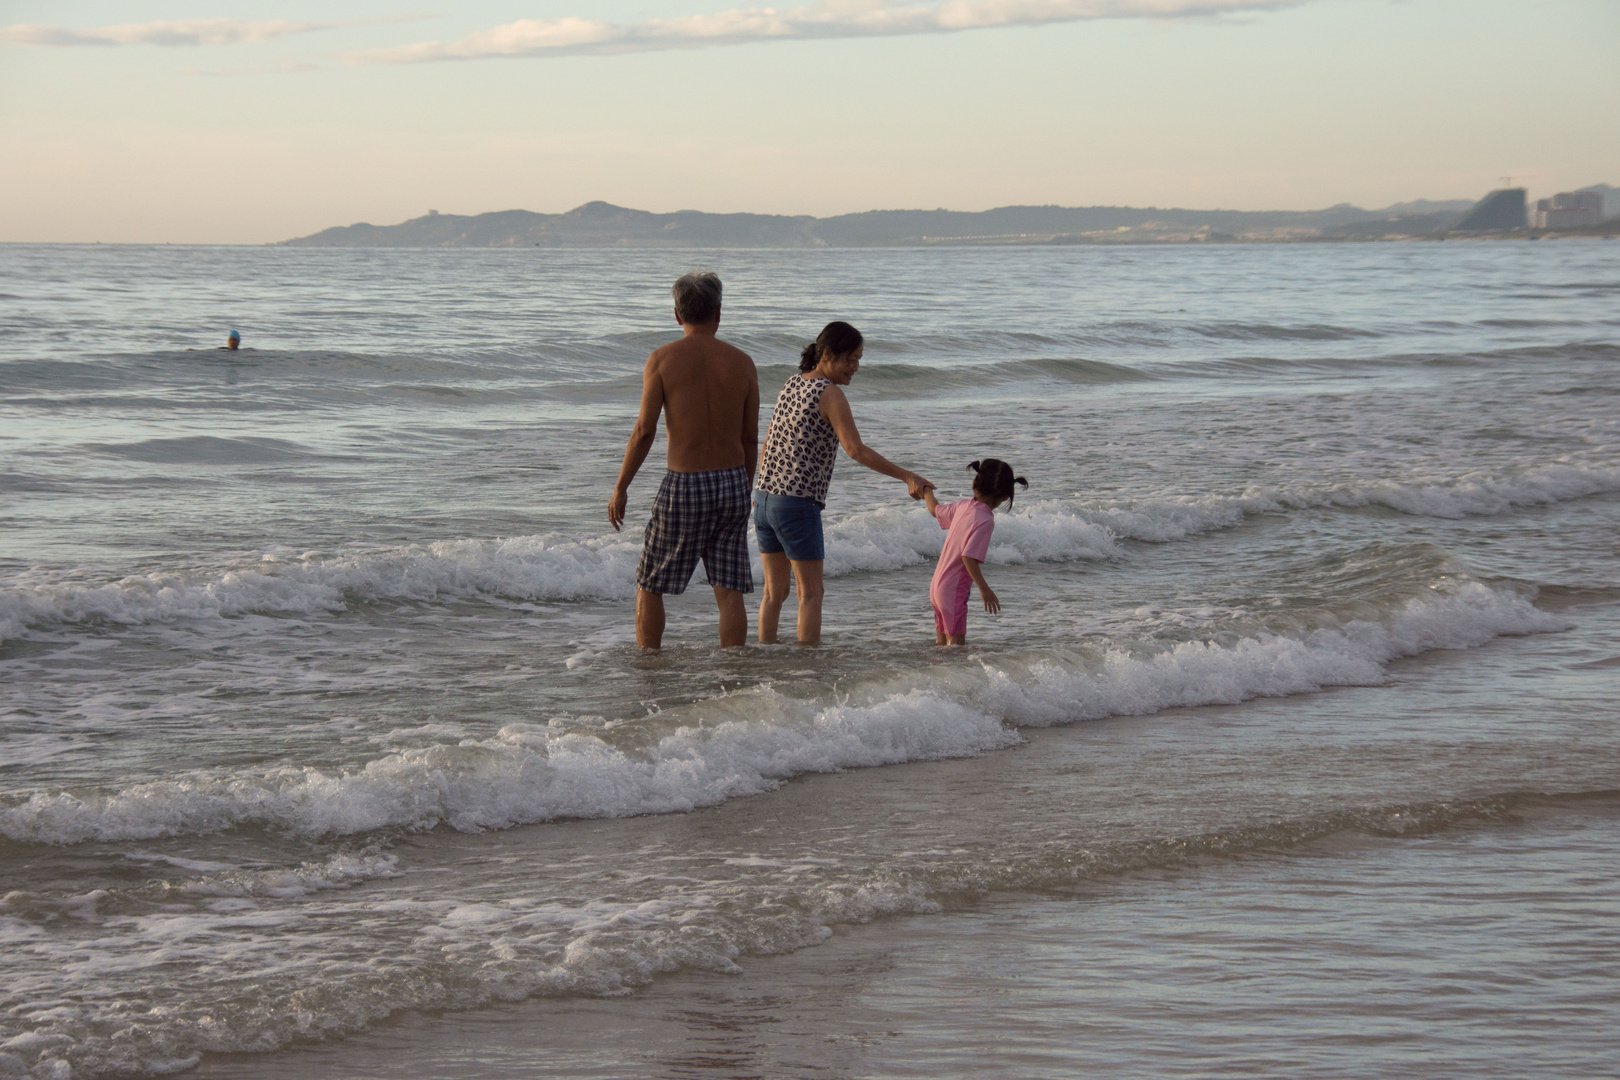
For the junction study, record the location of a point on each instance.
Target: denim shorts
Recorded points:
(787, 523)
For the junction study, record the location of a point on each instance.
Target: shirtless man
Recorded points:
(710, 394)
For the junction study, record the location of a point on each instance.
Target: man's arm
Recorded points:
(641, 441)
(750, 425)
(835, 408)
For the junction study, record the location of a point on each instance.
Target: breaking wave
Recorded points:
(554, 567)
(705, 753)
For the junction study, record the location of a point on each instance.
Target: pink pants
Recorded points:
(950, 600)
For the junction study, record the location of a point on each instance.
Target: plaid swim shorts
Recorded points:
(698, 516)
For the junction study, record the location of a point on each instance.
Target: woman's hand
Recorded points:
(992, 603)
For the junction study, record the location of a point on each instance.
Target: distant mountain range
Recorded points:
(600, 224)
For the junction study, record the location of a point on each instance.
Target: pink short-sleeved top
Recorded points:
(968, 525)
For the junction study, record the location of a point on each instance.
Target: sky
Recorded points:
(140, 121)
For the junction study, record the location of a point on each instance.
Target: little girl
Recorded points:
(969, 524)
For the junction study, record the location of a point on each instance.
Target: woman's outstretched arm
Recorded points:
(835, 407)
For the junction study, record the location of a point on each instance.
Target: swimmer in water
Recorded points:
(234, 341)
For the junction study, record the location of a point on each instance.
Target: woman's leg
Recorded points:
(807, 582)
(775, 565)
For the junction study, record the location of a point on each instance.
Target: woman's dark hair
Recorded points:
(837, 339)
(994, 479)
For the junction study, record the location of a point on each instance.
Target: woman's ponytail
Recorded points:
(809, 357)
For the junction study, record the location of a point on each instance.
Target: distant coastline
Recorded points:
(601, 224)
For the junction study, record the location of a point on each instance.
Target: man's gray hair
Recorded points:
(697, 297)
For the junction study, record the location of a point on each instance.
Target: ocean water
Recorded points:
(325, 748)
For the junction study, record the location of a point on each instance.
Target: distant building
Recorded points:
(1611, 198)
(1569, 210)
(1498, 211)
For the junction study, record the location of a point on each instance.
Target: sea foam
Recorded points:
(555, 567)
(751, 742)
(548, 567)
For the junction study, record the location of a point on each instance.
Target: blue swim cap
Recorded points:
(234, 336)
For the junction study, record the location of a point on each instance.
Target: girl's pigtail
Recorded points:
(973, 466)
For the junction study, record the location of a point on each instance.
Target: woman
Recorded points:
(811, 420)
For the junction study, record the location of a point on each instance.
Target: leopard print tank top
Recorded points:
(800, 446)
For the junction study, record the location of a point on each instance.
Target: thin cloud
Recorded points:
(829, 19)
(258, 69)
(178, 32)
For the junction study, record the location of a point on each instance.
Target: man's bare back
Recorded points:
(709, 393)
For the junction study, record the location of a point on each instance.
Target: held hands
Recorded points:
(992, 603)
(916, 485)
(616, 507)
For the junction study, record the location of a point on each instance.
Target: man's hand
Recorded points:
(992, 603)
(916, 485)
(616, 506)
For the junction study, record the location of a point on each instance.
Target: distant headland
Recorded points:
(600, 224)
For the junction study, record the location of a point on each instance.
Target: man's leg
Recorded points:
(775, 565)
(725, 554)
(733, 617)
(649, 619)
(807, 581)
